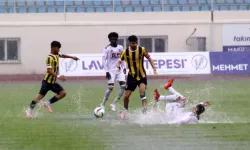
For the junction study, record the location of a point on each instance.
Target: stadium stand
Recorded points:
(100, 6)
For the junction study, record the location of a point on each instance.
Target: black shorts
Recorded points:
(56, 88)
(132, 83)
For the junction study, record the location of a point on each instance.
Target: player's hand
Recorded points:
(62, 78)
(75, 58)
(108, 76)
(124, 71)
(206, 103)
(155, 72)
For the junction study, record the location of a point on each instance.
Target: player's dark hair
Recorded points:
(113, 34)
(132, 38)
(200, 109)
(55, 44)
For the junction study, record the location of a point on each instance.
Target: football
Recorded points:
(99, 112)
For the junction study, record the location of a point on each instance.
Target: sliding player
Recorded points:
(49, 81)
(111, 54)
(174, 110)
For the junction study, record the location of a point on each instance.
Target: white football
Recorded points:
(99, 112)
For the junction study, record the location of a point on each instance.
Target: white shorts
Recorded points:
(117, 76)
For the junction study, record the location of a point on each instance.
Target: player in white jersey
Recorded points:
(175, 110)
(110, 56)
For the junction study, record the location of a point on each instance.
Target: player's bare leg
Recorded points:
(28, 111)
(126, 102)
(54, 99)
(106, 94)
(142, 91)
(119, 95)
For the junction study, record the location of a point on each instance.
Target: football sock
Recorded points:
(168, 98)
(119, 94)
(106, 95)
(173, 91)
(33, 104)
(53, 100)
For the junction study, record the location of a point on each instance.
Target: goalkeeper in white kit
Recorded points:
(174, 110)
(111, 54)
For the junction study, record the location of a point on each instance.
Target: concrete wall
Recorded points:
(87, 32)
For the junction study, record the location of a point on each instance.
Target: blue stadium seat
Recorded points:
(220, 1)
(99, 9)
(156, 8)
(118, 9)
(167, 8)
(224, 7)
(176, 8)
(154, 2)
(97, 2)
(145, 2)
(3, 10)
(78, 3)
(233, 7)
(79, 9)
(135, 2)
(147, 9)
(60, 9)
(88, 3)
(128, 9)
(32, 10)
(51, 9)
(117, 3)
(2, 4)
(109, 9)
(40, 3)
(215, 7)
(204, 8)
(243, 7)
(192, 2)
(239, 1)
(185, 8)
(202, 2)
(230, 1)
(182, 2)
(138, 9)
(247, 1)
(70, 9)
(22, 10)
(69, 3)
(21, 3)
(173, 2)
(125, 3)
(10, 3)
(90, 9)
(11, 10)
(107, 3)
(195, 8)
(31, 3)
(49, 3)
(59, 3)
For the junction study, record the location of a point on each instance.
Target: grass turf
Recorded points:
(72, 126)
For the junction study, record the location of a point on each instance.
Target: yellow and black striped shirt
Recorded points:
(134, 61)
(52, 62)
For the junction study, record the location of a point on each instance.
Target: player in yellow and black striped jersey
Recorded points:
(134, 58)
(49, 81)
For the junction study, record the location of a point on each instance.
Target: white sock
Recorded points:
(173, 91)
(168, 98)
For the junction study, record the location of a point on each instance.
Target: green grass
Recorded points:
(72, 125)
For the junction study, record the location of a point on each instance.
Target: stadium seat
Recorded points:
(176, 8)
(60, 9)
(202, 2)
(51, 9)
(31, 3)
(224, 7)
(215, 7)
(233, 7)
(147, 9)
(20, 3)
(69, 3)
(239, 1)
(230, 1)
(138, 9)
(125, 3)
(173, 2)
(220, 2)
(247, 1)
(79, 9)
(2, 4)
(118, 9)
(182, 2)
(3, 10)
(109, 9)
(49, 3)
(97, 2)
(32, 10)
(40, 3)
(135, 2)
(117, 3)
(167, 8)
(10, 3)
(128, 9)
(154, 2)
(99, 9)
(70, 9)
(243, 7)
(11, 10)
(90, 9)
(195, 8)
(22, 10)
(88, 3)
(145, 2)
(185, 8)
(192, 2)
(59, 3)
(107, 3)
(204, 8)
(78, 3)
(156, 8)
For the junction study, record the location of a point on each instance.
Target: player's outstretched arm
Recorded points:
(67, 56)
(152, 65)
